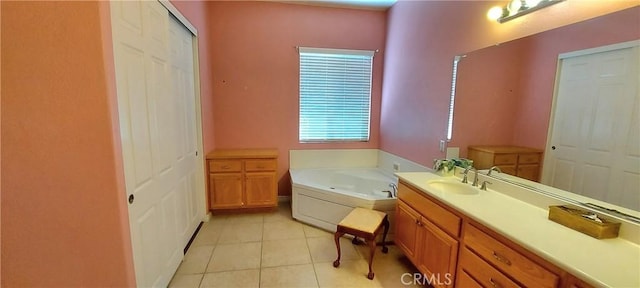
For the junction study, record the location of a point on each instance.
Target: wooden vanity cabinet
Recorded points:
(518, 161)
(427, 234)
(440, 241)
(242, 179)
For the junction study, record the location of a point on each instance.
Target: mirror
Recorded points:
(504, 93)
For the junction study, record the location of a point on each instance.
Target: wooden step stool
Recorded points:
(364, 223)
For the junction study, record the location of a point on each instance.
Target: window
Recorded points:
(452, 101)
(335, 94)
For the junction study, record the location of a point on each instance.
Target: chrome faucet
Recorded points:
(484, 185)
(475, 178)
(466, 173)
(395, 189)
(494, 168)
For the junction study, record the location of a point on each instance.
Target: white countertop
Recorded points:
(600, 262)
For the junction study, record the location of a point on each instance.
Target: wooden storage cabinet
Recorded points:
(518, 161)
(242, 178)
(420, 235)
(442, 241)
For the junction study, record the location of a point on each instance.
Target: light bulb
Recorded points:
(494, 13)
(514, 7)
(532, 3)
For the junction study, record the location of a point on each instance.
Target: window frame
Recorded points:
(337, 54)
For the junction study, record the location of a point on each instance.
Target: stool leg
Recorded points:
(372, 250)
(336, 237)
(384, 235)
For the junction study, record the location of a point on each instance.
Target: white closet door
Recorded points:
(184, 105)
(594, 145)
(156, 103)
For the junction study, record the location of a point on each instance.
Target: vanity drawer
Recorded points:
(260, 165)
(446, 220)
(508, 260)
(482, 272)
(529, 158)
(505, 159)
(464, 280)
(225, 166)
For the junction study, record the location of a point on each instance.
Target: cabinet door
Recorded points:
(261, 189)
(406, 231)
(529, 171)
(508, 169)
(225, 190)
(436, 254)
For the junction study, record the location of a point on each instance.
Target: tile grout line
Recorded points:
(313, 264)
(215, 246)
(261, 247)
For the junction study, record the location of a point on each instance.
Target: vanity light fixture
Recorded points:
(517, 8)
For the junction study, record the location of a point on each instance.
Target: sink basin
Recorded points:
(449, 186)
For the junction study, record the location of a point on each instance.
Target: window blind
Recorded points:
(335, 94)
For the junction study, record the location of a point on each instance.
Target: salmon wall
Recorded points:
(63, 202)
(0, 149)
(505, 92)
(63, 212)
(420, 46)
(255, 70)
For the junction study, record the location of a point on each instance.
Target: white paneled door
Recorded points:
(184, 105)
(594, 145)
(156, 103)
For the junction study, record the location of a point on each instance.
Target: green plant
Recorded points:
(449, 164)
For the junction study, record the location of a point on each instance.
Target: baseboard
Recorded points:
(284, 199)
(207, 217)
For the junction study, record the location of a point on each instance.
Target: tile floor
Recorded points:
(274, 250)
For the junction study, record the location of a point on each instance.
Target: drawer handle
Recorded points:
(225, 167)
(501, 258)
(494, 283)
(418, 222)
(260, 167)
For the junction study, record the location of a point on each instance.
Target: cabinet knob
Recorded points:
(494, 283)
(501, 258)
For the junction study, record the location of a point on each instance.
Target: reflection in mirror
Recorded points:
(504, 93)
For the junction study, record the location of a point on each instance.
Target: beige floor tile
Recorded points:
(288, 276)
(393, 269)
(285, 252)
(351, 273)
(240, 256)
(310, 231)
(196, 260)
(240, 233)
(288, 229)
(323, 249)
(186, 281)
(217, 219)
(208, 234)
(245, 218)
(283, 214)
(229, 279)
